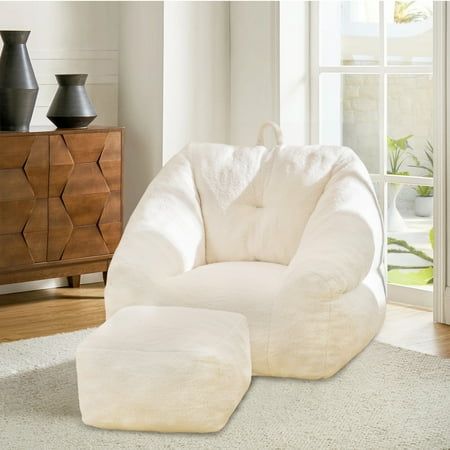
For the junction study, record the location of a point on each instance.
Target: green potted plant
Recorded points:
(397, 156)
(424, 194)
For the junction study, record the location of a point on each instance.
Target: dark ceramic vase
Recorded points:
(71, 107)
(18, 85)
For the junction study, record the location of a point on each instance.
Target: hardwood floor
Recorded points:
(41, 313)
(25, 315)
(414, 329)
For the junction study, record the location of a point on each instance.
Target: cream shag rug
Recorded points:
(386, 398)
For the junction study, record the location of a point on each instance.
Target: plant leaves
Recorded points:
(431, 237)
(418, 277)
(396, 149)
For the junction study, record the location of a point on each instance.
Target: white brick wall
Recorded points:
(409, 112)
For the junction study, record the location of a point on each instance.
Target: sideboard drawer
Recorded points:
(23, 200)
(60, 196)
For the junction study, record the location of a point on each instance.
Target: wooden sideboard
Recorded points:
(60, 203)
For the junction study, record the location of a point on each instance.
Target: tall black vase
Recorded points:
(18, 85)
(71, 107)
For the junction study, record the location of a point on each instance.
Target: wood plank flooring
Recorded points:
(25, 315)
(40, 313)
(414, 329)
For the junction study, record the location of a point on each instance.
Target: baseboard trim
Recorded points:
(47, 284)
(410, 296)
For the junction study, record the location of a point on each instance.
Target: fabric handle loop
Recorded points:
(276, 129)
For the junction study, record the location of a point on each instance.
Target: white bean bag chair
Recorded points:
(291, 237)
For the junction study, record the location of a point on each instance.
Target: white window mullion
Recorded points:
(402, 179)
(361, 70)
(382, 122)
(382, 119)
(314, 79)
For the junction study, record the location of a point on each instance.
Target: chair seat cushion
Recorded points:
(165, 369)
(249, 288)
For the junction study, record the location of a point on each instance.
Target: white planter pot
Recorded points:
(395, 221)
(424, 206)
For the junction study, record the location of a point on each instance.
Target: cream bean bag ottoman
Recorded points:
(164, 369)
(289, 236)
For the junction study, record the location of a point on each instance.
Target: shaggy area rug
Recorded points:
(386, 398)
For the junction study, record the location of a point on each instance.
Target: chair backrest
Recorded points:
(256, 201)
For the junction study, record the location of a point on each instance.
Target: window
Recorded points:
(372, 90)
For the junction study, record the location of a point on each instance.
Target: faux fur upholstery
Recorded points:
(291, 237)
(164, 369)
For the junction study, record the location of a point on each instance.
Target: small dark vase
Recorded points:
(18, 85)
(71, 107)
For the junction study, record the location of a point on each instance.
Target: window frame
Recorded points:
(411, 295)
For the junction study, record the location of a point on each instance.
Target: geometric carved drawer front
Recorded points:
(60, 202)
(24, 172)
(84, 195)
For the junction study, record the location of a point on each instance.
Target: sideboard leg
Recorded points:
(74, 281)
(105, 276)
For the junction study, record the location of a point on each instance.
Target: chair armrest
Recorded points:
(343, 238)
(164, 236)
(332, 300)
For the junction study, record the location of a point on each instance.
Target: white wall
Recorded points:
(141, 95)
(294, 72)
(196, 74)
(269, 63)
(254, 68)
(173, 84)
(70, 37)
